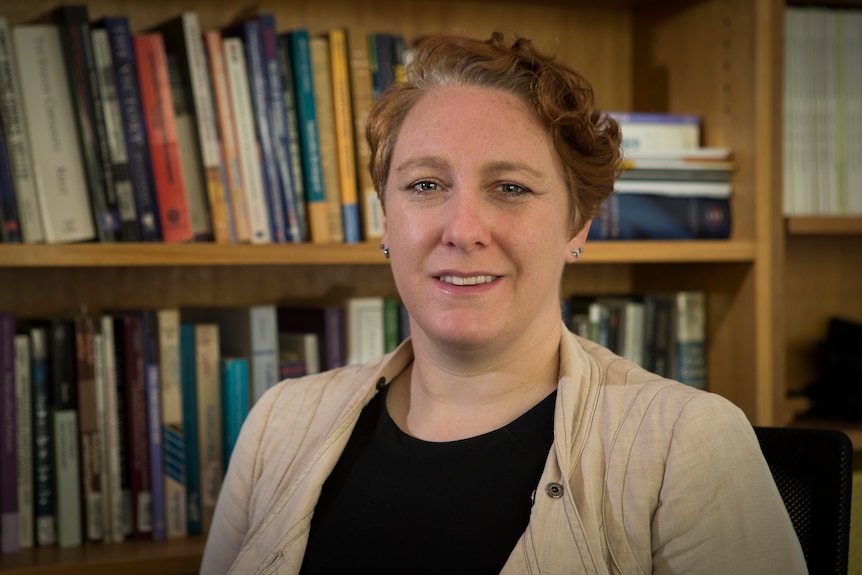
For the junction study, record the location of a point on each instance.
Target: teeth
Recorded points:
(470, 281)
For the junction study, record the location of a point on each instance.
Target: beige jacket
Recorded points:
(646, 476)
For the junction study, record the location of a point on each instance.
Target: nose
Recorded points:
(466, 222)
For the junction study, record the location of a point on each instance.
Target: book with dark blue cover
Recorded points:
(11, 223)
(190, 419)
(132, 114)
(44, 510)
(9, 540)
(150, 350)
(632, 216)
(234, 399)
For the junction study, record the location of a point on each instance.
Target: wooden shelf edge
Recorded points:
(208, 254)
(824, 225)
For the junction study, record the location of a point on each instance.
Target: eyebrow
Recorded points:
(489, 169)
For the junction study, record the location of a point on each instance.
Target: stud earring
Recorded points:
(385, 251)
(576, 253)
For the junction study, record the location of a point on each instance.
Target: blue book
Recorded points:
(294, 149)
(44, 510)
(234, 396)
(633, 216)
(152, 383)
(250, 33)
(309, 142)
(131, 110)
(190, 421)
(277, 109)
(9, 220)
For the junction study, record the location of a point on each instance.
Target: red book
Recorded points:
(160, 121)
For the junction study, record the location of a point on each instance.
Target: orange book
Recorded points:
(162, 138)
(227, 133)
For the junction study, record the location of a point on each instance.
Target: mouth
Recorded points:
(467, 280)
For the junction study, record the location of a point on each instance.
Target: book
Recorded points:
(362, 98)
(17, 140)
(172, 425)
(326, 321)
(391, 324)
(88, 428)
(252, 42)
(45, 519)
(321, 75)
(298, 354)
(64, 415)
(196, 122)
(690, 338)
(161, 128)
(245, 331)
(10, 222)
(250, 167)
(364, 319)
(293, 148)
(24, 440)
(384, 60)
(234, 400)
(109, 430)
(124, 463)
(633, 216)
(153, 390)
(210, 462)
(188, 366)
(674, 188)
(107, 84)
(61, 185)
(277, 110)
(9, 541)
(227, 135)
(134, 130)
(73, 23)
(309, 137)
(657, 131)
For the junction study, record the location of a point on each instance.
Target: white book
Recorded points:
(24, 437)
(674, 188)
(173, 433)
(364, 319)
(252, 176)
(109, 431)
(17, 140)
(210, 453)
(61, 183)
(853, 97)
(654, 131)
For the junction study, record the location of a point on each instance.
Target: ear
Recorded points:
(577, 241)
(384, 239)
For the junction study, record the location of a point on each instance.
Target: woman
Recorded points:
(494, 440)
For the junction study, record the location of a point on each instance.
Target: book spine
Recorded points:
(121, 359)
(74, 24)
(322, 78)
(278, 120)
(334, 339)
(690, 340)
(162, 139)
(227, 133)
(134, 131)
(67, 472)
(88, 428)
(264, 348)
(344, 136)
(365, 338)
(43, 464)
(312, 170)
(24, 440)
(18, 143)
(9, 542)
(153, 384)
(391, 324)
(252, 174)
(61, 185)
(118, 158)
(210, 462)
(110, 433)
(10, 223)
(190, 427)
(234, 397)
(649, 216)
(173, 429)
(362, 93)
(294, 150)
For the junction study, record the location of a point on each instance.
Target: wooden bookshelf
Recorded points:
(824, 225)
(718, 59)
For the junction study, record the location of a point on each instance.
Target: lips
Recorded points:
(467, 280)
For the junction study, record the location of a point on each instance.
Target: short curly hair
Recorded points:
(587, 140)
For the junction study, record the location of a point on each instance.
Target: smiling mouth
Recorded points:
(467, 281)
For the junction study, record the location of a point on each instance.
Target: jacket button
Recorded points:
(381, 383)
(554, 490)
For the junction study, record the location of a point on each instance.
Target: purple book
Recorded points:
(8, 443)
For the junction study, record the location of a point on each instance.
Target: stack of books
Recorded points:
(670, 187)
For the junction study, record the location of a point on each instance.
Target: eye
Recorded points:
(513, 189)
(425, 186)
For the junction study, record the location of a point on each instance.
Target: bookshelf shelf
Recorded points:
(824, 225)
(207, 254)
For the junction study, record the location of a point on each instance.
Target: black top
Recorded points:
(397, 504)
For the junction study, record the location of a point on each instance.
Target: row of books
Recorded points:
(663, 332)
(246, 133)
(669, 187)
(822, 111)
(121, 424)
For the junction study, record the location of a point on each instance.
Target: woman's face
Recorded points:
(477, 220)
